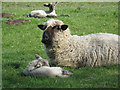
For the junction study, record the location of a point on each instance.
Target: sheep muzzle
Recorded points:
(46, 38)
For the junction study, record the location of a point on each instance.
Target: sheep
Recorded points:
(37, 68)
(74, 51)
(44, 14)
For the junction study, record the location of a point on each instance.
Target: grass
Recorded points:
(21, 42)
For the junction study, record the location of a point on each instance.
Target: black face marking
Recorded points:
(46, 38)
(47, 5)
(51, 6)
(56, 27)
(62, 27)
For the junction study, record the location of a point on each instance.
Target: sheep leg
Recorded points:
(51, 16)
(63, 76)
(56, 16)
(66, 72)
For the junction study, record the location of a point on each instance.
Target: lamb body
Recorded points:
(37, 68)
(46, 71)
(65, 49)
(42, 13)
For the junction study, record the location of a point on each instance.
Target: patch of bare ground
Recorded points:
(5, 15)
(16, 21)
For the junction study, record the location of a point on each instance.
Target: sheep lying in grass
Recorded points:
(40, 67)
(43, 14)
(65, 49)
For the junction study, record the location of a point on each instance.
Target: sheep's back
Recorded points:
(97, 49)
(40, 13)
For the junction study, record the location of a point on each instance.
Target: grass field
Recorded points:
(21, 42)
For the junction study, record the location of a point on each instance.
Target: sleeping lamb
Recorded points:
(44, 14)
(40, 67)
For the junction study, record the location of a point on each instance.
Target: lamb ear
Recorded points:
(64, 27)
(42, 27)
(56, 3)
(37, 56)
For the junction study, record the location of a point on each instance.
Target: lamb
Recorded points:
(44, 14)
(64, 49)
(37, 68)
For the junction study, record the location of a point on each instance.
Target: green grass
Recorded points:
(21, 42)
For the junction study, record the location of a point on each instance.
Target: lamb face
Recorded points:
(39, 62)
(53, 29)
(43, 62)
(51, 6)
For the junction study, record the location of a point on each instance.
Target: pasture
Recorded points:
(20, 42)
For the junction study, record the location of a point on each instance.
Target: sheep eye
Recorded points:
(56, 27)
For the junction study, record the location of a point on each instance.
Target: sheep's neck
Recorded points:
(61, 43)
(51, 12)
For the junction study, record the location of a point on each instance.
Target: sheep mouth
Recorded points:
(48, 42)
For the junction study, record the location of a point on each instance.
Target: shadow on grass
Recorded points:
(14, 65)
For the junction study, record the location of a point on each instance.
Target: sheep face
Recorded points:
(52, 31)
(51, 6)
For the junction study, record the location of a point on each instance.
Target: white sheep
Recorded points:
(38, 68)
(44, 14)
(65, 49)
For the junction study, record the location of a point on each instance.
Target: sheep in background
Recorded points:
(40, 67)
(43, 14)
(65, 49)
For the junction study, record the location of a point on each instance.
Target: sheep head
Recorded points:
(51, 6)
(41, 61)
(52, 29)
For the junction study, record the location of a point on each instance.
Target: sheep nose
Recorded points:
(44, 41)
(45, 37)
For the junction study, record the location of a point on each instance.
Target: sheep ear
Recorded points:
(64, 27)
(42, 27)
(56, 3)
(38, 57)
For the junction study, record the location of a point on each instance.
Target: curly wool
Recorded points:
(79, 51)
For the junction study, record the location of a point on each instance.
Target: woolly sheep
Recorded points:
(43, 14)
(38, 68)
(65, 49)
